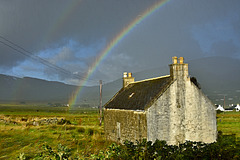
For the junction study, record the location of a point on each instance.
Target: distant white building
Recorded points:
(220, 108)
(237, 108)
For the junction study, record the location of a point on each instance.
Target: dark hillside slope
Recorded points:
(32, 89)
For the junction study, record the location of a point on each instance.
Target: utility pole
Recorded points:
(100, 103)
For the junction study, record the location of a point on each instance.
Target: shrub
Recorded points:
(62, 152)
(90, 131)
(70, 127)
(63, 121)
(81, 130)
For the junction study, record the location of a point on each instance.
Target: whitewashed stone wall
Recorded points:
(182, 113)
(200, 116)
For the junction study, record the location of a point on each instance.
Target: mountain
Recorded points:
(33, 90)
(218, 76)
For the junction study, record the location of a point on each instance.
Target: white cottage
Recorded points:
(237, 108)
(171, 108)
(220, 108)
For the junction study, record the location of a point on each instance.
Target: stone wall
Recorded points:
(33, 121)
(121, 125)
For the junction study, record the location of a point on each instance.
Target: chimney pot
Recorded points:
(125, 74)
(129, 75)
(174, 60)
(181, 60)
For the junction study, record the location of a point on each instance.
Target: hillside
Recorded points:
(33, 90)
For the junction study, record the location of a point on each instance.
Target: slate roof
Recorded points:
(138, 95)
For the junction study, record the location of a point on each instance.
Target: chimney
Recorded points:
(127, 79)
(178, 69)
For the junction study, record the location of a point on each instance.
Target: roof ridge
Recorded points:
(149, 79)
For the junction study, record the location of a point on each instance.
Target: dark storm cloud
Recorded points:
(173, 25)
(38, 26)
(236, 27)
(9, 58)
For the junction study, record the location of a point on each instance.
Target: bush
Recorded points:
(70, 128)
(63, 121)
(62, 152)
(225, 148)
(90, 131)
(81, 130)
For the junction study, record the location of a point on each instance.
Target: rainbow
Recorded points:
(114, 42)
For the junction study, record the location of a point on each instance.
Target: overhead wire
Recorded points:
(29, 54)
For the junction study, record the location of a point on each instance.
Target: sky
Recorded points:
(61, 40)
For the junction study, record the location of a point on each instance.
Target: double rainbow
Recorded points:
(114, 42)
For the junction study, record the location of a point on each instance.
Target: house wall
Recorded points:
(121, 125)
(182, 113)
(200, 116)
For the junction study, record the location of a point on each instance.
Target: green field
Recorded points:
(79, 130)
(229, 123)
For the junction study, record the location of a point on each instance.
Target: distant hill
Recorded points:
(33, 90)
(218, 76)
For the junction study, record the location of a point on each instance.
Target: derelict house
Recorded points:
(170, 108)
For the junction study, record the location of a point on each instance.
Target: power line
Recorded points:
(44, 62)
(29, 54)
(36, 58)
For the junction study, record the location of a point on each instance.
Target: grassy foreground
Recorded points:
(78, 131)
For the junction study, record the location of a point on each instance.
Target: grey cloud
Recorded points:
(75, 61)
(9, 58)
(225, 48)
(236, 27)
(115, 64)
(36, 25)
(65, 55)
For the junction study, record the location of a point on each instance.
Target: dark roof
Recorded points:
(138, 95)
(231, 108)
